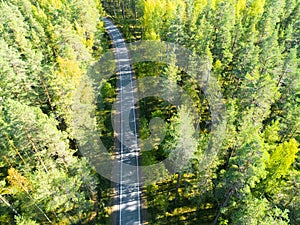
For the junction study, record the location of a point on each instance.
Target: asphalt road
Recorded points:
(128, 194)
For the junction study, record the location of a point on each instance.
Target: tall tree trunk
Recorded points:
(10, 142)
(177, 187)
(46, 90)
(36, 151)
(123, 9)
(230, 193)
(9, 205)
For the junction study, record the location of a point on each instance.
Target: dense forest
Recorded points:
(252, 48)
(46, 48)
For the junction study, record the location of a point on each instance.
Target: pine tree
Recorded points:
(45, 148)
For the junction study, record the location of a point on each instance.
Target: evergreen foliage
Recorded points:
(46, 48)
(253, 46)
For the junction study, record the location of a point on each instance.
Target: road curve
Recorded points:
(128, 193)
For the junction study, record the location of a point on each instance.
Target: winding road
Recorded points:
(128, 193)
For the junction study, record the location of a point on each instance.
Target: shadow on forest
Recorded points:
(164, 208)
